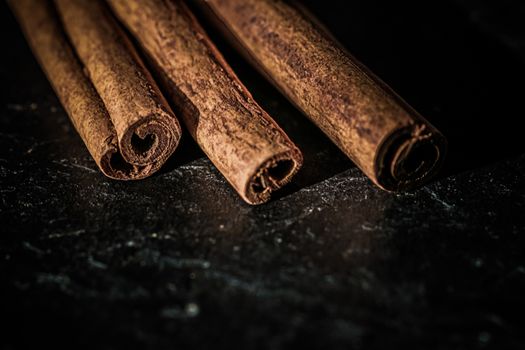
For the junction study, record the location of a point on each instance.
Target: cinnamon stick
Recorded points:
(239, 137)
(392, 144)
(115, 107)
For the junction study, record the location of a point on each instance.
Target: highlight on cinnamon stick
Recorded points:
(111, 98)
(391, 143)
(238, 136)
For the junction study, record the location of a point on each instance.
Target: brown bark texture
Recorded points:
(239, 137)
(387, 139)
(109, 96)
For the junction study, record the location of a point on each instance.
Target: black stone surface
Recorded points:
(179, 261)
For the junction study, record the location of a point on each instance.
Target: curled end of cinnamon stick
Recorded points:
(271, 175)
(114, 166)
(410, 157)
(143, 149)
(151, 139)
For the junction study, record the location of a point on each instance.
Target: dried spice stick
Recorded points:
(239, 137)
(393, 145)
(147, 131)
(81, 101)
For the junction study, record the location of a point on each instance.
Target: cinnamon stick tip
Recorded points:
(410, 157)
(115, 167)
(152, 138)
(144, 148)
(271, 175)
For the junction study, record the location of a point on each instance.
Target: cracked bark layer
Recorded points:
(387, 139)
(116, 108)
(239, 137)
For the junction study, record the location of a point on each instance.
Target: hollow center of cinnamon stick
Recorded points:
(142, 145)
(417, 158)
(118, 163)
(414, 160)
(281, 169)
(409, 157)
(273, 176)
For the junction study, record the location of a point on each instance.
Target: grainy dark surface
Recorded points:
(179, 260)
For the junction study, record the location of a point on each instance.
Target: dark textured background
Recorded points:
(178, 260)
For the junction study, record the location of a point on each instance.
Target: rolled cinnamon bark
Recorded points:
(391, 143)
(239, 137)
(102, 133)
(146, 128)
